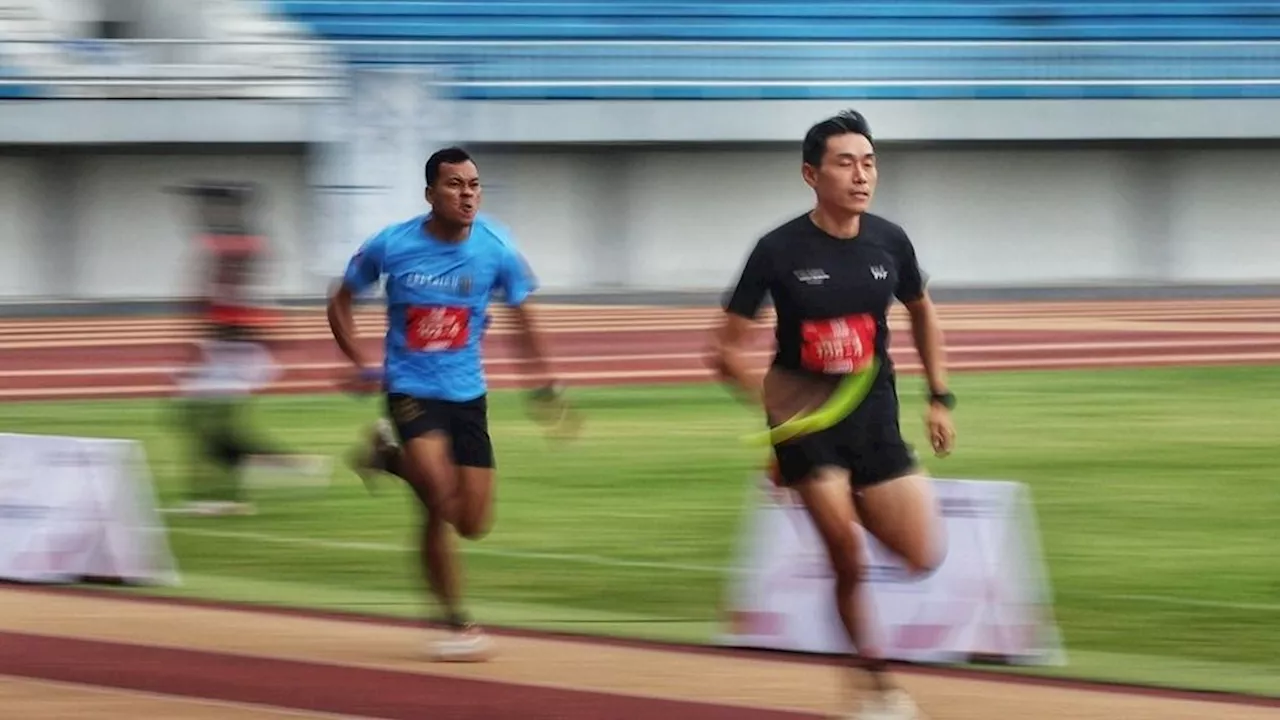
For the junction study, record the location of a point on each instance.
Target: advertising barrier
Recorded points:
(73, 509)
(989, 600)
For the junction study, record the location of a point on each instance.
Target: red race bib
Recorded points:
(437, 328)
(838, 345)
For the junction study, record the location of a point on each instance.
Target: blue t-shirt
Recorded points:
(438, 297)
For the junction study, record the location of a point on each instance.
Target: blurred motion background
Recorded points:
(640, 145)
(1090, 184)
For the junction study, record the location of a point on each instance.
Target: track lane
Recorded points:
(132, 357)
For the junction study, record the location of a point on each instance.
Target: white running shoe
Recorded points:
(369, 460)
(893, 704)
(466, 645)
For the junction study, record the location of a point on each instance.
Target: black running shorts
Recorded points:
(868, 444)
(466, 423)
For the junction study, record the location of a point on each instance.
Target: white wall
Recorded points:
(1013, 216)
(95, 224)
(1225, 215)
(133, 240)
(72, 18)
(552, 204)
(21, 205)
(146, 18)
(685, 219)
(694, 215)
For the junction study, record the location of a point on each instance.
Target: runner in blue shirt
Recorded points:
(442, 269)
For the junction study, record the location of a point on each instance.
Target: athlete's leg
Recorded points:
(903, 514)
(900, 513)
(896, 505)
(427, 465)
(474, 503)
(815, 467)
(470, 511)
(829, 503)
(473, 452)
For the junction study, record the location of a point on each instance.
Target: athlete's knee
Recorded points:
(471, 527)
(924, 560)
(474, 519)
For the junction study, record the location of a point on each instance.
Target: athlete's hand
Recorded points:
(362, 381)
(549, 407)
(942, 433)
(547, 403)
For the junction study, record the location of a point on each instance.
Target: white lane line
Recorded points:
(650, 357)
(500, 380)
(468, 549)
(601, 561)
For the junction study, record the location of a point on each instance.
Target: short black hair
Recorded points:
(449, 155)
(815, 141)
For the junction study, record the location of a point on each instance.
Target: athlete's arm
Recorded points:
(517, 283)
(926, 329)
(342, 323)
(727, 353)
(532, 347)
(926, 332)
(727, 356)
(362, 271)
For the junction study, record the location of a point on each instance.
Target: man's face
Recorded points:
(846, 180)
(455, 195)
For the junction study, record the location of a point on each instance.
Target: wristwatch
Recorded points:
(550, 391)
(945, 398)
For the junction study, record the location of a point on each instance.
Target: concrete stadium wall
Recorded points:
(980, 216)
(85, 223)
(21, 200)
(96, 224)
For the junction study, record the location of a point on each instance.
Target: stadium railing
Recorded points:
(566, 70)
(757, 20)
(184, 68)
(709, 70)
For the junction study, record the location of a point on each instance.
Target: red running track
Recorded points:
(117, 357)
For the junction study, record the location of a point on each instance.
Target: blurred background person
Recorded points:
(230, 362)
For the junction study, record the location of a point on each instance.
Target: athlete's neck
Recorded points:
(836, 224)
(447, 231)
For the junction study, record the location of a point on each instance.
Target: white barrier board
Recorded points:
(990, 597)
(72, 508)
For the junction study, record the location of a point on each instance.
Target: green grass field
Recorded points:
(1154, 489)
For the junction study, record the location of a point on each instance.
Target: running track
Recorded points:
(58, 658)
(118, 357)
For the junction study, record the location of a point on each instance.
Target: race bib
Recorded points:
(437, 328)
(838, 345)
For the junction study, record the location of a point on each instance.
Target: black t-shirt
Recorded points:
(825, 289)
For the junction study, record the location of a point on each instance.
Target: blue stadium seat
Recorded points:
(787, 49)
(12, 92)
(786, 20)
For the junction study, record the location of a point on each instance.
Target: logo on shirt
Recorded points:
(878, 272)
(460, 284)
(815, 276)
(405, 410)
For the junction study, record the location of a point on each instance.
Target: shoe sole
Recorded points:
(476, 653)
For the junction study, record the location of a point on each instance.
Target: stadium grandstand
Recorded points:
(783, 50)
(336, 103)
(713, 49)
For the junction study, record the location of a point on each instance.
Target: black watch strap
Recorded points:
(551, 391)
(945, 398)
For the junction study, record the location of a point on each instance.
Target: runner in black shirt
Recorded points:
(832, 274)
